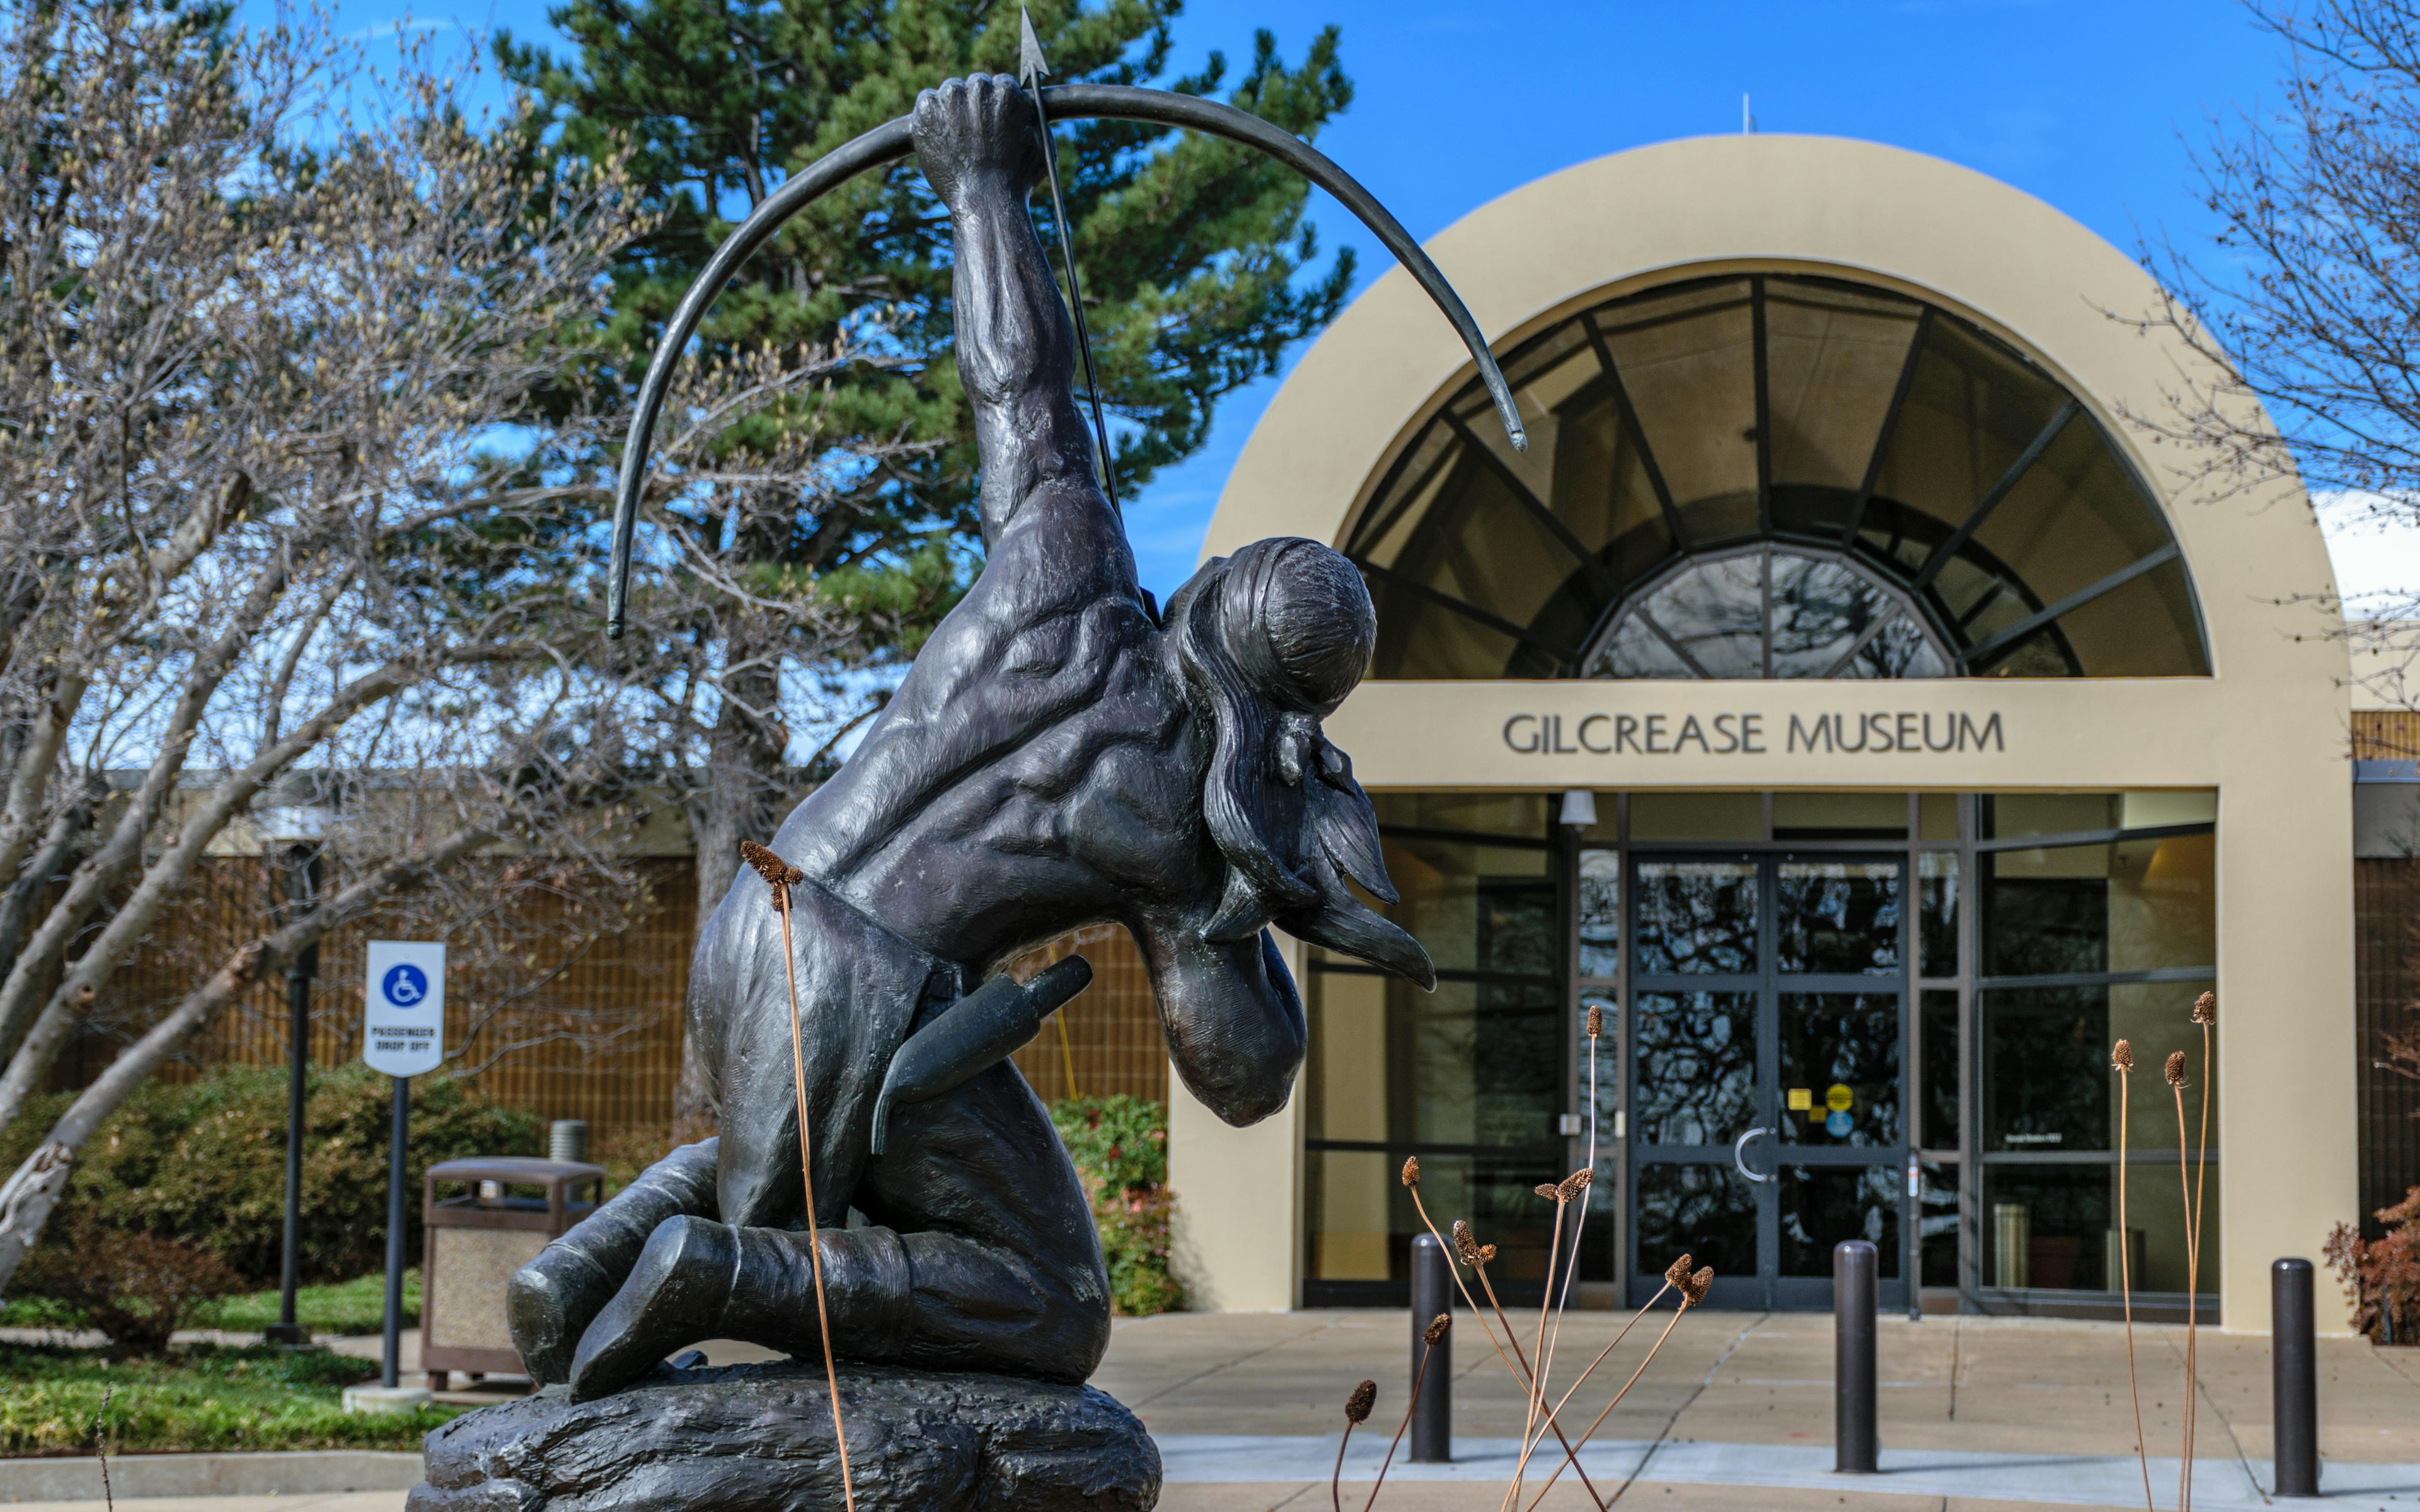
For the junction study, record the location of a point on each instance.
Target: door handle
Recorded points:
(1739, 1154)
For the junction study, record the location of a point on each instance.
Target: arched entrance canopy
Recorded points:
(1769, 476)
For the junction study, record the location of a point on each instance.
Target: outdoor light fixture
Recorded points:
(1579, 808)
(295, 827)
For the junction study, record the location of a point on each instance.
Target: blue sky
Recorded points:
(2095, 107)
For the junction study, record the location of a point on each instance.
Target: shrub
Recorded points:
(136, 1288)
(1120, 1147)
(2382, 1276)
(204, 1163)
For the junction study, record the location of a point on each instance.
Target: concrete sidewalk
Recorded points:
(1976, 1415)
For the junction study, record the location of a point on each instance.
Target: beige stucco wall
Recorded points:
(2268, 730)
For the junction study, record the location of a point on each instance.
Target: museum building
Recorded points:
(1850, 695)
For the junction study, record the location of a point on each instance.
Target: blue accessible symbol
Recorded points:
(1838, 1124)
(405, 985)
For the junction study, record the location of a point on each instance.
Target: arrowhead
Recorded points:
(1030, 66)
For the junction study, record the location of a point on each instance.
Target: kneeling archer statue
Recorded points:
(1058, 755)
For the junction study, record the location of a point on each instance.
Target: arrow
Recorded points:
(1031, 68)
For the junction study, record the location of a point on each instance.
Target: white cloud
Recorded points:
(2374, 544)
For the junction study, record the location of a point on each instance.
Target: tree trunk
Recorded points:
(738, 798)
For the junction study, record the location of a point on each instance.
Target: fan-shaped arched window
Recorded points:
(1773, 476)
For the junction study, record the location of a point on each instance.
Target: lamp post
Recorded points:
(296, 829)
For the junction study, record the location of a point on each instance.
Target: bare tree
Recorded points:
(2306, 303)
(286, 395)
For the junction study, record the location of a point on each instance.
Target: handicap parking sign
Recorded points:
(403, 1025)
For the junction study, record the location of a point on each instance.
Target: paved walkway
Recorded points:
(1976, 1415)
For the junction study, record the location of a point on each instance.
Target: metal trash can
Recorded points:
(472, 1243)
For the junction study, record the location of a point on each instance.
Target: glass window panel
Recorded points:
(2128, 906)
(2047, 1087)
(1936, 873)
(1476, 907)
(1694, 1076)
(1361, 1220)
(1491, 813)
(1383, 531)
(1898, 650)
(1601, 488)
(2047, 1082)
(2015, 815)
(1715, 611)
(1820, 609)
(1936, 816)
(2043, 654)
(1970, 411)
(2075, 517)
(1471, 1063)
(1834, 355)
(2142, 628)
(2055, 1229)
(1839, 815)
(1696, 916)
(1937, 1224)
(1831, 361)
(1707, 1212)
(2047, 1227)
(1557, 367)
(1600, 912)
(1823, 1205)
(1938, 1097)
(1483, 545)
(1835, 916)
(1687, 358)
(1840, 1050)
(1664, 816)
(1635, 651)
(1418, 638)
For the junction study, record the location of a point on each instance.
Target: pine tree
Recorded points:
(1198, 271)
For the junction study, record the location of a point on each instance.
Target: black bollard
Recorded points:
(2294, 1386)
(1856, 1449)
(1432, 1410)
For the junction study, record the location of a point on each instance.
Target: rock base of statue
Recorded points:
(758, 1438)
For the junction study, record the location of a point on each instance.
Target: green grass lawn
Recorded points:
(193, 1399)
(352, 1307)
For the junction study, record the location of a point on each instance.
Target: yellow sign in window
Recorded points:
(1801, 1098)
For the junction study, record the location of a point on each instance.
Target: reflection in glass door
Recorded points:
(1764, 1069)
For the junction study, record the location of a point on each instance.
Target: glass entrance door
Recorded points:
(1764, 1070)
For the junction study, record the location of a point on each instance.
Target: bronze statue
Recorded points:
(1058, 754)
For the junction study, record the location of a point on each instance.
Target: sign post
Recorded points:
(403, 1034)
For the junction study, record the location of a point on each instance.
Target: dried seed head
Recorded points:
(2176, 1071)
(1548, 1192)
(1576, 1183)
(1439, 1328)
(1486, 1253)
(1412, 1171)
(1693, 1290)
(2205, 1009)
(1356, 1407)
(1464, 1246)
(1595, 1020)
(2121, 1056)
(770, 867)
(1677, 1274)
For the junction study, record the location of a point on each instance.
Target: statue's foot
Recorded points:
(550, 1302)
(547, 1303)
(675, 1295)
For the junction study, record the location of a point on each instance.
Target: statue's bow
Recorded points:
(890, 142)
